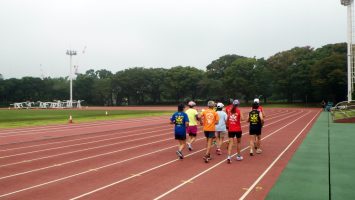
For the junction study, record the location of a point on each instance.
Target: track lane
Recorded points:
(232, 180)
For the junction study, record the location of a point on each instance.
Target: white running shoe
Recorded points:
(239, 158)
(259, 151)
(190, 147)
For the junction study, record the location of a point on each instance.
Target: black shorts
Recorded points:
(255, 132)
(237, 134)
(209, 134)
(180, 137)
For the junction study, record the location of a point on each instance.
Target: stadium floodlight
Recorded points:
(71, 53)
(346, 2)
(351, 68)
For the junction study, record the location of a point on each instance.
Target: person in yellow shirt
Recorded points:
(209, 118)
(192, 128)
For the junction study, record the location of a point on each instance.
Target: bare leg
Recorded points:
(208, 147)
(251, 144)
(230, 146)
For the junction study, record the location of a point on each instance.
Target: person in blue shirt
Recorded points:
(181, 121)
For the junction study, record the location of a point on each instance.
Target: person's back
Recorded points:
(180, 119)
(255, 120)
(221, 126)
(234, 121)
(192, 113)
(210, 118)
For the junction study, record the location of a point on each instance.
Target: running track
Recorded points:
(135, 159)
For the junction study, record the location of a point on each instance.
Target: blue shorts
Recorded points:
(209, 134)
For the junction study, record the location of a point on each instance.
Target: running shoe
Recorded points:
(251, 152)
(259, 151)
(229, 160)
(218, 152)
(207, 158)
(239, 157)
(179, 153)
(190, 147)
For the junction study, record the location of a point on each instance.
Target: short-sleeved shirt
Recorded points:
(229, 108)
(234, 121)
(210, 117)
(191, 113)
(221, 126)
(179, 119)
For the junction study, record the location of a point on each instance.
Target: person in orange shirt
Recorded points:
(209, 118)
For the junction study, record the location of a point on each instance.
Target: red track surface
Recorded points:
(135, 159)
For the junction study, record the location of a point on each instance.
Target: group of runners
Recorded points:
(217, 121)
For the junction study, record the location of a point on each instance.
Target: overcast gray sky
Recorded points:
(119, 34)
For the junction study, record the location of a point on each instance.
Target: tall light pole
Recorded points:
(71, 53)
(349, 4)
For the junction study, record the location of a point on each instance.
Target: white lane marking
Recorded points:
(68, 127)
(45, 157)
(79, 139)
(72, 141)
(223, 161)
(122, 180)
(81, 150)
(136, 175)
(276, 159)
(84, 143)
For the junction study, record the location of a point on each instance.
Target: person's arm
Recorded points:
(217, 118)
(241, 116)
(201, 119)
(262, 119)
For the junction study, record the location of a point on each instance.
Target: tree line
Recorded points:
(301, 74)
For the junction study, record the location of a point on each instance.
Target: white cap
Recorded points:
(191, 103)
(256, 100)
(220, 105)
(236, 102)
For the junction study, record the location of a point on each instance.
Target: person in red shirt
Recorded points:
(234, 130)
(229, 107)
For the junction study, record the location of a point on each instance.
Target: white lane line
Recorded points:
(55, 155)
(86, 138)
(136, 175)
(68, 127)
(276, 159)
(72, 141)
(85, 143)
(81, 150)
(122, 180)
(223, 161)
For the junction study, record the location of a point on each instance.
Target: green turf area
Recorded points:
(21, 118)
(342, 160)
(307, 174)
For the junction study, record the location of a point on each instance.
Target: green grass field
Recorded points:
(22, 118)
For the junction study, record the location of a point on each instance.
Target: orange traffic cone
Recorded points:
(70, 119)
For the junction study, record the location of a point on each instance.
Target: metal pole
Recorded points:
(71, 53)
(71, 82)
(349, 50)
